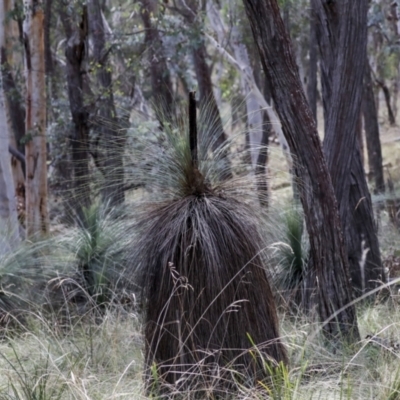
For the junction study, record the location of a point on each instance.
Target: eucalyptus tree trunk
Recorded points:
(37, 218)
(329, 259)
(76, 66)
(160, 77)
(371, 125)
(342, 34)
(13, 104)
(9, 225)
(111, 134)
(191, 13)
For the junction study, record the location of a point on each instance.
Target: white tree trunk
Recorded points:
(37, 219)
(9, 233)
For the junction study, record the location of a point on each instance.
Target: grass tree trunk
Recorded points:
(342, 34)
(37, 218)
(75, 55)
(329, 258)
(111, 136)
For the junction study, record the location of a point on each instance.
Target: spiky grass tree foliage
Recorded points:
(291, 258)
(97, 250)
(210, 318)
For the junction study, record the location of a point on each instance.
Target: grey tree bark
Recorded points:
(371, 125)
(342, 37)
(329, 259)
(312, 65)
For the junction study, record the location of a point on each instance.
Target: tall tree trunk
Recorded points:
(9, 226)
(312, 65)
(361, 232)
(342, 34)
(199, 53)
(47, 45)
(371, 127)
(160, 77)
(330, 263)
(75, 54)
(15, 112)
(37, 218)
(111, 136)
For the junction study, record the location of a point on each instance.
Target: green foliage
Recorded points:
(100, 246)
(291, 256)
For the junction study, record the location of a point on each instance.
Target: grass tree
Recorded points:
(210, 318)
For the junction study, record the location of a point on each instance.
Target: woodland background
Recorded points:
(87, 88)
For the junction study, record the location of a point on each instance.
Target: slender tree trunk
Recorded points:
(9, 226)
(361, 232)
(203, 73)
(386, 93)
(343, 44)
(37, 218)
(75, 54)
(254, 112)
(15, 109)
(15, 112)
(111, 136)
(160, 76)
(330, 264)
(47, 45)
(372, 132)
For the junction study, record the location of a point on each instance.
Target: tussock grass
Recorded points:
(104, 361)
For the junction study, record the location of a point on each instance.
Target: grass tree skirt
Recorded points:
(210, 318)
